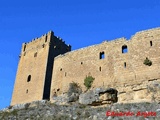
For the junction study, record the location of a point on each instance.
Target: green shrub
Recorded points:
(147, 62)
(88, 81)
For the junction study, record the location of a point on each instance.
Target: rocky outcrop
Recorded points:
(99, 96)
(144, 91)
(44, 110)
(154, 89)
(71, 96)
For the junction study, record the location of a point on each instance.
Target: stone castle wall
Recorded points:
(47, 66)
(122, 71)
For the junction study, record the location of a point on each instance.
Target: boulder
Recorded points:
(99, 96)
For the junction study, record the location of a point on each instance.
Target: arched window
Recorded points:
(101, 55)
(29, 78)
(124, 49)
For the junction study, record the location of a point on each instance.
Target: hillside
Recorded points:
(44, 110)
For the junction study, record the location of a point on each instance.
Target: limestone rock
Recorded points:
(99, 96)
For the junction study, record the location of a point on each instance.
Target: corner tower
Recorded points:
(33, 79)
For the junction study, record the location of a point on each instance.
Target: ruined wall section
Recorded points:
(119, 70)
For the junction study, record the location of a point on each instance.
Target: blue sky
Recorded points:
(79, 22)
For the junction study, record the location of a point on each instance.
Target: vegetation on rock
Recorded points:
(74, 88)
(88, 81)
(147, 62)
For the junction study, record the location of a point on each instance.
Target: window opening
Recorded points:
(124, 49)
(27, 91)
(65, 74)
(150, 43)
(29, 78)
(125, 64)
(102, 55)
(35, 54)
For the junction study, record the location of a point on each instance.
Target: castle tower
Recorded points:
(34, 74)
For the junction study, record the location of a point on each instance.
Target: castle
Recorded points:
(47, 66)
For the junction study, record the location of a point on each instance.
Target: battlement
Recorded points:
(36, 42)
(42, 41)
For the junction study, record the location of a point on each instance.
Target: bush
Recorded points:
(74, 88)
(88, 81)
(147, 62)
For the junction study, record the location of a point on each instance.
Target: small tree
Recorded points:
(147, 62)
(88, 81)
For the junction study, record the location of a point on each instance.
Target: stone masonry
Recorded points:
(47, 66)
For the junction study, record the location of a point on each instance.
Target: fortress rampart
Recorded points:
(117, 64)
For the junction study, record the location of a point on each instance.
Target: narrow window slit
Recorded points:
(150, 43)
(35, 54)
(65, 74)
(125, 65)
(27, 91)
